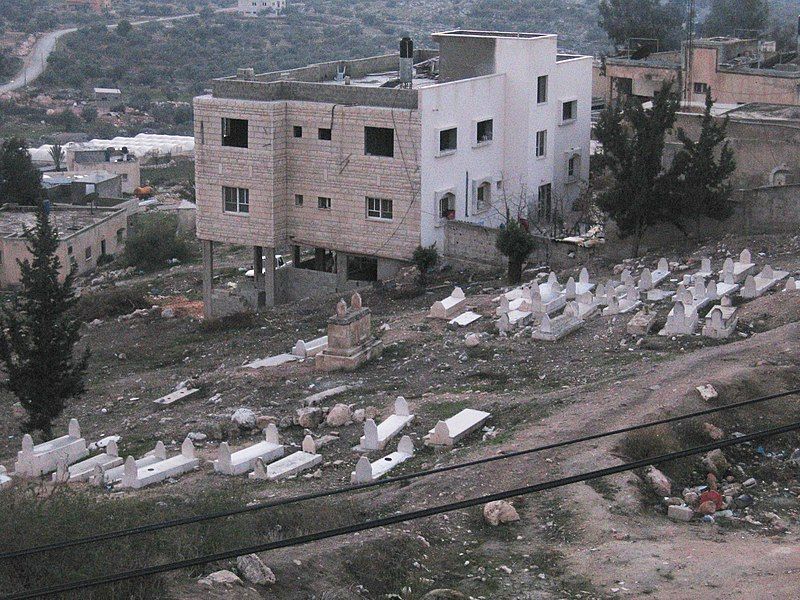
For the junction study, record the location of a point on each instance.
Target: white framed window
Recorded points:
(88, 254)
(236, 200)
(379, 208)
(298, 199)
(573, 167)
(483, 196)
(323, 203)
(541, 143)
(447, 206)
(448, 140)
(700, 88)
(569, 111)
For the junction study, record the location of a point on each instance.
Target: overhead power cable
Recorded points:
(93, 539)
(398, 518)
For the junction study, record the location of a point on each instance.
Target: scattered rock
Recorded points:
(196, 436)
(263, 420)
(743, 501)
(309, 417)
(244, 418)
(707, 392)
(749, 482)
(254, 570)
(658, 482)
(339, 416)
(444, 594)
(472, 340)
(714, 432)
(707, 508)
(223, 578)
(715, 462)
(359, 415)
(680, 513)
(168, 313)
(498, 512)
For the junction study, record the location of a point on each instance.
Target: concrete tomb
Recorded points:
(84, 470)
(350, 339)
(682, 320)
(740, 269)
(367, 471)
(506, 305)
(112, 475)
(513, 320)
(721, 321)
(755, 286)
(791, 285)
(661, 273)
(450, 306)
(288, 466)
(601, 296)
(272, 361)
(173, 397)
(586, 305)
(705, 271)
(627, 303)
(5, 480)
(464, 319)
(303, 349)
(546, 299)
(642, 322)
(41, 459)
(454, 429)
(377, 436)
(551, 330)
(727, 287)
(244, 460)
(135, 477)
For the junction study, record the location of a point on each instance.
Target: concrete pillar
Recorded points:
(341, 271)
(269, 277)
(208, 278)
(296, 257)
(319, 259)
(258, 276)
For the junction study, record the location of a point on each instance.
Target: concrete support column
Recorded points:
(269, 277)
(258, 276)
(319, 259)
(296, 257)
(208, 278)
(341, 271)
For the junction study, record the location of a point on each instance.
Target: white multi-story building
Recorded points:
(252, 7)
(369, 158)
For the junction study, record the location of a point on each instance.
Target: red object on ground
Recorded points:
(712, 496)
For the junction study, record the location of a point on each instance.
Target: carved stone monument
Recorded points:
(350, 339)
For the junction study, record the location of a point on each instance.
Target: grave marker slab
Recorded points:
(84, 470)
(682, 320)
(244, 460)
(366, 471)
(377, 436)
(465, 319)
(5, 480)
(173, 397)
(114, 475)
(303, 349)
(552, 330)
(721, 321)
(642, 322)
(136, 477)
(287, 466)
(755, 286)
(450, 306)
(272, 361)
(41, 459)
(454, 429)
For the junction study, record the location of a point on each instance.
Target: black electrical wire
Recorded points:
(92, 539)
(399, 518)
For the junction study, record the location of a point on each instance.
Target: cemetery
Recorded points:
(388, 381)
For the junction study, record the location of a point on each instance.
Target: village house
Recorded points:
(111, 160)
(364, 160)
(78, 187)
(255, 7)
(85, 234)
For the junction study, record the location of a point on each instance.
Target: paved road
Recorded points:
(34, 64)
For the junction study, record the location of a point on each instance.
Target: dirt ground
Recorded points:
(609, 538)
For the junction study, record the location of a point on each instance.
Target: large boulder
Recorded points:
(254, 570)
(339, 416)
(221, 578)
(498, 512)
(244, 418)
(309, 417)
(658, 482)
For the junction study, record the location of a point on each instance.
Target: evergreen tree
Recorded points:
(20, 181)
(633, 146)
(626, 19)
(516, 243)
(38, 334)
(700, 171)
(742, 17)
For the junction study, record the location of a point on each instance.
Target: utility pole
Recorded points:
(688, 52)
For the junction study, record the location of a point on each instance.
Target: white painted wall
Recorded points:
(256, 6)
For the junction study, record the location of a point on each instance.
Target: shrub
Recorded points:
(425, 259)
(154, 241)
(111, 303)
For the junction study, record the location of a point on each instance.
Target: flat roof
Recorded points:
(764, 111)
(66, 177)
(69, 220)
(492, 34)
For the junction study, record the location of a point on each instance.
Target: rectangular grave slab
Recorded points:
(319, 397)
(114, 475)
(5, 480)
(740, 269)
(465, 319)
(175, 396)
(721, 322)
(661, 273)
(244, 460)
(506, 306)
(456, 428)
(136, 477)
(552, 330)
(682, 320)
(755, 286)
(514, 320)
(272, 361)
(450, 306)
(367, 471)
(705, 271)
(303, 349)
(42, 459)
(84, 470)
(292, 465)
(377, 436)
(642, 322)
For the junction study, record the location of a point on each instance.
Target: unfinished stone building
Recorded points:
(364, 160)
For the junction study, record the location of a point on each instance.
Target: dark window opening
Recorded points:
(485, 131)
(541, 89)
(379, 141)
(323, 203)
(362, 268)
(234, 132)
(448, 140)
(545, 202)
(324, 133)
(569, 110)
(700, 88)
(298, 199)
(297, 131)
